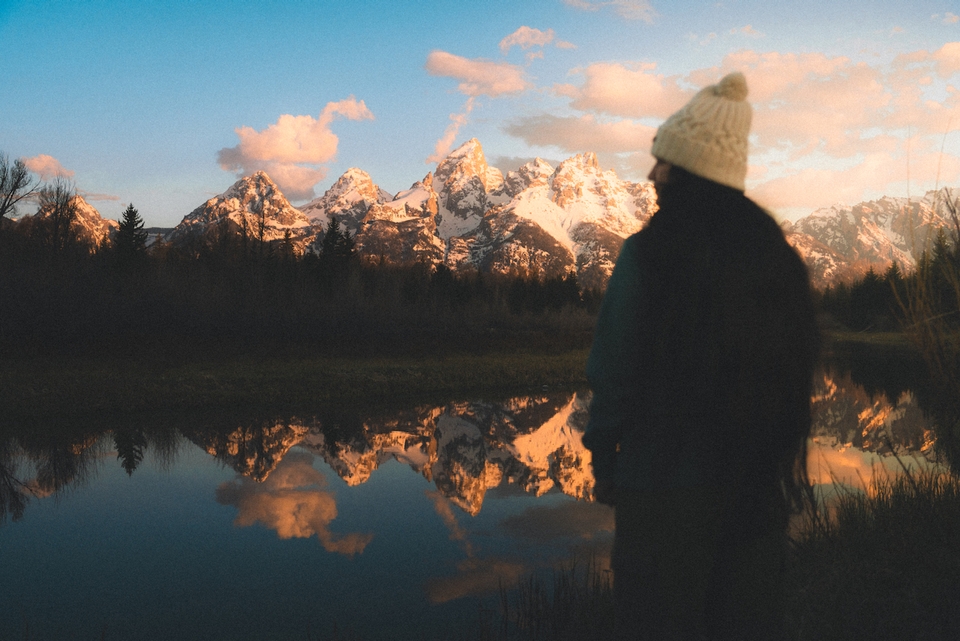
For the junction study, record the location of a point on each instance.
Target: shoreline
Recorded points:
(79, 388)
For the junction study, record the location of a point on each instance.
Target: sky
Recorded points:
(164, 103)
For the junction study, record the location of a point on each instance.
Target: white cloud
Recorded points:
(293, 149)
(627, 9)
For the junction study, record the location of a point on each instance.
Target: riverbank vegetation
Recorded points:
(880, 564)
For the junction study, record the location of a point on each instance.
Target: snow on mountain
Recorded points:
(539, 220)
(254, 208)
(403, 230)
(842, 242)
(348, 200)
(573, 220)
(467, 188)
(90, 227)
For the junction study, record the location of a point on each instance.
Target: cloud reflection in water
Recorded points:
(291, 501)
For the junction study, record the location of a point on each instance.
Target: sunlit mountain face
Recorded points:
(394, 521)
(536, 220)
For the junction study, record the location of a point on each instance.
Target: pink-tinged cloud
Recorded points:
(576, 134)
(92, 196)
(825, 128)
(526, 37)
(293, 149)
(948, 59)
(629, 91)
(627, 9)
(478, 77)
(475, 577)
(47, 167)
(445, 143)
(950, 18)
(292, 503)
(876, 173)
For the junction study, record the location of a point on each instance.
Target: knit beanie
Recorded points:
(708, 136)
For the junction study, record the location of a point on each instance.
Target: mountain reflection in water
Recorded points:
(452, 499)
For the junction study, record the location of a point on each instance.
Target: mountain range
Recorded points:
(537, 220)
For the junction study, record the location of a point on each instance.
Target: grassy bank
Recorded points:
(48, 387)
(884, 565)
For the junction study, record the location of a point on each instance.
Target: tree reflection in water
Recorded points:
(531, 443)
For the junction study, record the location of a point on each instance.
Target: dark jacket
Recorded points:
(702, 358)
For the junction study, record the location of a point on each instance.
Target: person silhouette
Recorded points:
(701, 370)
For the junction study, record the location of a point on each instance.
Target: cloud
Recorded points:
(293, 149)
(91, 196)
(950, 18)
(576, 134)
(47, 167)
(445, 143)
(478, 77)
(747, 30)
(291, 502)
(526, 37)
(825, 129)
(568, 520)
(627, 9)
(512, 163)
(475, 577)
(630, 91)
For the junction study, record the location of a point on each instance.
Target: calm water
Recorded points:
(392, 525)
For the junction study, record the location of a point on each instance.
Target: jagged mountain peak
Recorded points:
(465, 162)
(535, 173)
(90, 226)
(258, 182)
(580, 162)
(347, 200)
(253, 207)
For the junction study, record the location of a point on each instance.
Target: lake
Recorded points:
(389, 524)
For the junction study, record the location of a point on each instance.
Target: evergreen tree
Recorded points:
(337, 248)
(131, 239)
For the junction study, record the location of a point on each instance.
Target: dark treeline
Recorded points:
(235, 292)
(879, 302)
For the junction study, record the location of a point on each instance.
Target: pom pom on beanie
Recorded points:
(708, 136)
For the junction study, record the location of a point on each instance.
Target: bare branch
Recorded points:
(15, 185)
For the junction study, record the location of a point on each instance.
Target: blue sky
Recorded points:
(164, 103)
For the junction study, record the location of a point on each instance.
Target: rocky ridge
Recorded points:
(840, 243)
(539, 220)
(253, 208)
